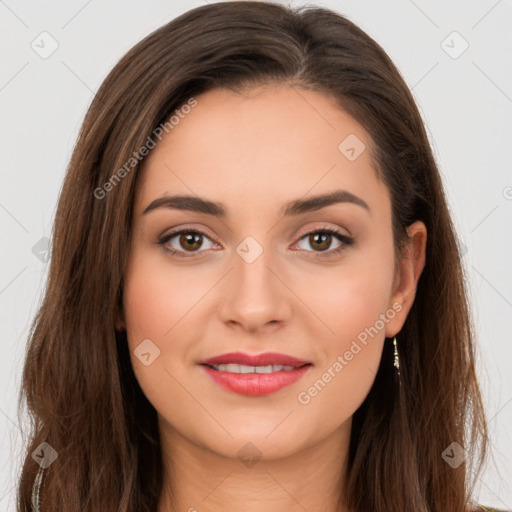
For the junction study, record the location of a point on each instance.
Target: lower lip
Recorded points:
(256, 384)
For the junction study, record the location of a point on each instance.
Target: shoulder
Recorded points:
(483, 508)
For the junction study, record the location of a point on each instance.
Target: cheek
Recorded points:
(351, 298)
(161, 303)
(351, 346)
(157, 299)
(352, 303)
(155, 306)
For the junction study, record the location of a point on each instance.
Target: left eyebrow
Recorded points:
(296, 207)
(317, 202)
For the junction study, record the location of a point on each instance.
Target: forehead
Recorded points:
(258, 148)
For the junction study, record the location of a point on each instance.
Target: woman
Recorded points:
(256, 297)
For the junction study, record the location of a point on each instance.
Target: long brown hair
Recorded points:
(81, 393)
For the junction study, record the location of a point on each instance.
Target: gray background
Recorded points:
(466, 102)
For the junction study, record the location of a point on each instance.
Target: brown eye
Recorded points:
(179, 243)
(321, 241)
(190, 240)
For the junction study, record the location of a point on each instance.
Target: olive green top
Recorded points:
(38, 481)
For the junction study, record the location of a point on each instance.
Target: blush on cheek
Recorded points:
(155, 300)
(160, 305)
(350, 308)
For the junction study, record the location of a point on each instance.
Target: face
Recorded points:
(316, 282)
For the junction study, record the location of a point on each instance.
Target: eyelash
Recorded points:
(344, 239)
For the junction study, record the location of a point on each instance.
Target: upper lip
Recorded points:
(265, 359)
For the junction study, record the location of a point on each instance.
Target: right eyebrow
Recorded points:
(191, 203)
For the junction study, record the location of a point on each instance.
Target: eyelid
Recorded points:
(324, 227)
(162, 240)
(345, 240)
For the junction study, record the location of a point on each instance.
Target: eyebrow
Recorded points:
(296, 207)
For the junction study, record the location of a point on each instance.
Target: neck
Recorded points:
(198, 479)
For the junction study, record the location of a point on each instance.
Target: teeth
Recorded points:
(242, 368)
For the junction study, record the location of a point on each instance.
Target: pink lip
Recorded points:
(256, 384)
(257, 360)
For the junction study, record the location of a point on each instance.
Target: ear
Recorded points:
(408, 271)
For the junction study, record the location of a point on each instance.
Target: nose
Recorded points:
(255, 295)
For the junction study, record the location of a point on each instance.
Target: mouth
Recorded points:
(258, 360)
(257, 375)
(245, 369)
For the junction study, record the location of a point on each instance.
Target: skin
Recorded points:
(254, 152)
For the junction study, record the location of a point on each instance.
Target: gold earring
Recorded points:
(396, 363)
